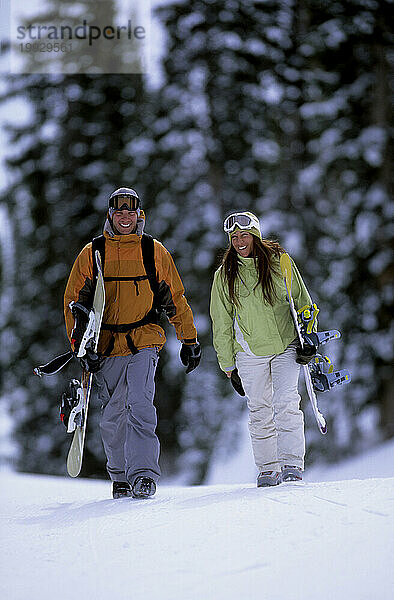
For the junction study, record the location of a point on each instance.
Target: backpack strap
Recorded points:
(98, 243)
(126, 328)
(148, 257)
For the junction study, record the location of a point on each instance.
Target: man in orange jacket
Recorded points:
(130, 341)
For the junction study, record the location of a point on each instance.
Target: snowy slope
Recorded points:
(377, 462)
(332, 540)
(239, 466)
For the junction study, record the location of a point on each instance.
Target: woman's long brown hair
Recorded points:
(263, 253)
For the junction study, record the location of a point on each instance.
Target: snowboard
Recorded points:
(75, 454)
(286, 268)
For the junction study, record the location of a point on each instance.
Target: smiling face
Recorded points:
(124, 221)
(242, 241)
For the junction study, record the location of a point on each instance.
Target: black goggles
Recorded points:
(124, 202)
(239, 220)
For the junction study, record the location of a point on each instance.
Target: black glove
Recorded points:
(81, 317)
(236, 382)
(305, 354)
(190, 355)
(91, 361)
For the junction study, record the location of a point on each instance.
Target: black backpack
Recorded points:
(148, 257)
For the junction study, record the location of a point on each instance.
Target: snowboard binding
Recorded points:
(323, 373)
(324, 376)
(83, 333)
(71, 410)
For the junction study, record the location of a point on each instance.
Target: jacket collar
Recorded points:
(246, 262)
(122, 238)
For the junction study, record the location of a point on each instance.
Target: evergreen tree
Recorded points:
(278, 107)
(213, 152)
(348, 185)
(272, 106)
(64, 164)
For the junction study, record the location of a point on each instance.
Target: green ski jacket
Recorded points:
(255, 327)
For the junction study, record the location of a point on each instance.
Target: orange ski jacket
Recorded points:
(130, 301)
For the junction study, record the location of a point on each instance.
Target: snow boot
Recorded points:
(143, 487)
(290, 473)
(121, 489)
(268, 478)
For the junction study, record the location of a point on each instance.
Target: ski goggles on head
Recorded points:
(124, 202)
(241, 220)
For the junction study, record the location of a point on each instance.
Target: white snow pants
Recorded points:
(276, 423)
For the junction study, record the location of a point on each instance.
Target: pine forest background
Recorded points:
(279, 107)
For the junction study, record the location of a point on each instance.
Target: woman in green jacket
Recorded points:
(255, 339)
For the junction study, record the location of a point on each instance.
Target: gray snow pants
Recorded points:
(128, 416)
(276, 423)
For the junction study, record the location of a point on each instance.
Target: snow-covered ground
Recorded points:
(378, 462)
(64, 538)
